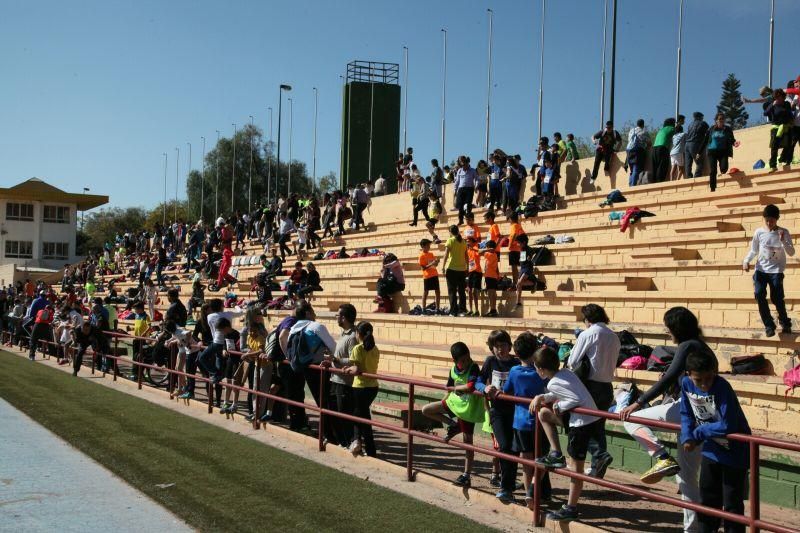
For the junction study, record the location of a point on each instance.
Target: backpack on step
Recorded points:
(750, 364)
(660, 359)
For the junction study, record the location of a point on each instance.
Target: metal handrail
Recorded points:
(752, 520)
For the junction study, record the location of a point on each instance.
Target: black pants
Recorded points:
(420, 205)
(784, 144)
(456, 290)
(603, 396)
(722, 487)
(604, 157)
(464, 202)
(311, 377)
(762, 280)
(716, 157)
(192, 363)
(41, 331)
(362, 399)
(690, 152)
(282, 240)
(76, 364)
(342, 402)
(358, 214)
(660, 163)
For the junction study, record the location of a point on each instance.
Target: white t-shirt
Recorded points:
(213, 319)
(601, 346)
(771, 249)
(567, 392)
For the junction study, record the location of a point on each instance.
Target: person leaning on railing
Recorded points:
(364, 358)
(686, 333)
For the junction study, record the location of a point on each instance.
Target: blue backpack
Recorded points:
(759, 164)
(301, 348)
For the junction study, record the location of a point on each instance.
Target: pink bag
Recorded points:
(791, 378)
(636, 362)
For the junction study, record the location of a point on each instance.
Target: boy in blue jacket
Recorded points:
(709, 412)
(523, 380)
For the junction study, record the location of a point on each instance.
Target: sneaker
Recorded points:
(663, 467)
(769, 332)
(225, 409)
(494, 481)
(598, 470)
(355, 447)
(492, 313)
(266, 417)
(452, 431)
(565, 514)
(250, 417)
(504, 496)
(186, 396)
(552, 461)
(463, 480)
(786, 330)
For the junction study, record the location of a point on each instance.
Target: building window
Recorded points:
(55, 250)
(56, 213)
(19, 211)
(19, 249)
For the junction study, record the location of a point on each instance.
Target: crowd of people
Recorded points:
(283, 361)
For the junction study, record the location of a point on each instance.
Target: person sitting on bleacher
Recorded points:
(311, 284)
(296, 279)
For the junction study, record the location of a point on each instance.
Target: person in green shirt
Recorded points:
(572, 148)
(455, 271)
(562, 147)
(661, 148)
(364, 358)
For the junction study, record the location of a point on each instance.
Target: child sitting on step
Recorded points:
(459, 410)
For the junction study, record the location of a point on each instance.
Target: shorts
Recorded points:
(431, 284)
(467, 428)
(578, 437)
(491, 284)
(474, 280)
(677, 159)
(231, 365)
(481, 187)
(523, 441)
(513, 258)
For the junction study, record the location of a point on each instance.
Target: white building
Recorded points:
(38, 225)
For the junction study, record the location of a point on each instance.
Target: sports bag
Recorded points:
(272, 348)
(637, 362)
(791, 378)
(301, 348)
(749, 364)
(564, 351)
(660, 359)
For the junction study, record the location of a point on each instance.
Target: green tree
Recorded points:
(216, 196)
(156, 215)
(328, 183)
(731, 104)
(103, 225)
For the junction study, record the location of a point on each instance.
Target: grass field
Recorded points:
(223, 481)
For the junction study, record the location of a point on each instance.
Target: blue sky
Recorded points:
(93, 92)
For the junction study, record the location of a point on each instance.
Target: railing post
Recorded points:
(321, 427)
(257, 398)
(173, 353)
(755, 497)
(410, 441)
(116, 354)
(139, 370)
(210, 389)
(94, 362)
(537, 478)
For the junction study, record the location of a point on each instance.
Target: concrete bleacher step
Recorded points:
(722, 227)
(627, 283)
(677, 254)
(742, 201)
(399, 411)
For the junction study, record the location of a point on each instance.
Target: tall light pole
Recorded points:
(233, 167)
(85, 190)
(405, 98)
(314, 149)
(177, 164)
(678, 73)
(250, 172)
(269, 156)
(289, 181)
(541, 74)
(216, 188)
(203, 180)
(603, 67)
(371, 115)
(613, 59)
(771, 40)
(444, 87)
(164, 218)
(281, 88)
(489, 83)
(189, 171)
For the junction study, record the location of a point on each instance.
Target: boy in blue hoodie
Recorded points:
(709, 412)
(523, 380)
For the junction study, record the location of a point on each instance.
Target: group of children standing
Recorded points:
(526, 368)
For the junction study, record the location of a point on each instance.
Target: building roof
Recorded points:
(37, 190)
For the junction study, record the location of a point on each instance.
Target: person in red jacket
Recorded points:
(225, 241)
(42, 329)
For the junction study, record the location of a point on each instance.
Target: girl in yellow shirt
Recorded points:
(364, 358)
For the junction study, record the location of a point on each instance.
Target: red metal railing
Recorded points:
(753, 520)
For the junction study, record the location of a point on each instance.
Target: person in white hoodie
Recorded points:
(771, 244)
